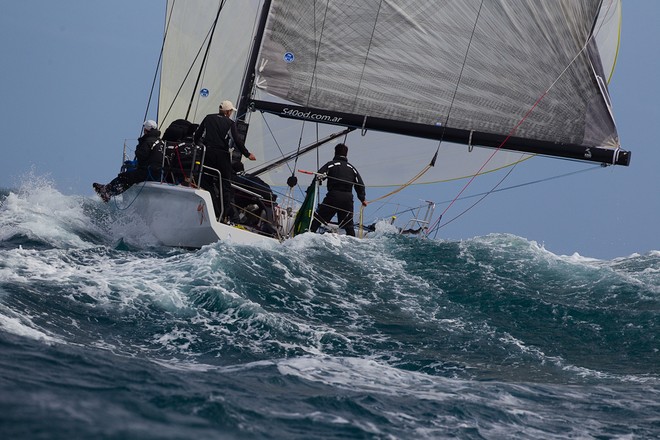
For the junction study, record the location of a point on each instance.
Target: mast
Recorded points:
(248, 78)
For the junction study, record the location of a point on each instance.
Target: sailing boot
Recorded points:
(102, 191)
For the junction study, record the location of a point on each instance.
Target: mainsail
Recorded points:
(528, 75)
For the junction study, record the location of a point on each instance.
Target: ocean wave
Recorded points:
(390, 336)
(495, 307)
(36, 215)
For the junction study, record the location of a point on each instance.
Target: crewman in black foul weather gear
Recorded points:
(342, 179)
(216, 131)
(149, 155)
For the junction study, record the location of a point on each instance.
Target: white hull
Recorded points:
(181, 216)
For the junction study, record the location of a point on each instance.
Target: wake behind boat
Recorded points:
(469, 87)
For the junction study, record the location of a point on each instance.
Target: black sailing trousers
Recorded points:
(336, 202)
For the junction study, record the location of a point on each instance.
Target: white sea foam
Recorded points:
(38, 211)
(359, 374)
(130, 229)
(23, 326)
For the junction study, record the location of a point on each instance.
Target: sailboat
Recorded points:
(422, 92)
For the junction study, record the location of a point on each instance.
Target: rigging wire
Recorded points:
(272, 134)
(185, 78)
(160, 59)
(435, 225)
(520, 185)
(499, 147)
(318, 49)
(444, 126)
(366, 55)
(206, 57)
(483, 195)
(250, 81)
(403, 186)
(460, 74)
(292, 181)
(407, 209)
(435, 156)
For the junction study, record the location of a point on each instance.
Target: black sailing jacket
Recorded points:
(146, 153)
(343, 177)
(214, 129)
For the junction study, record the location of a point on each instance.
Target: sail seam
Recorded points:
(318, 49)
(366, 57)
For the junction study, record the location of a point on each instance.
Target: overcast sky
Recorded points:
(76, 76)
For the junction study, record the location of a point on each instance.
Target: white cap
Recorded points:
(227, 105)
(149, 125)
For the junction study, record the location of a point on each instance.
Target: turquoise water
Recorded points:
(103, 336)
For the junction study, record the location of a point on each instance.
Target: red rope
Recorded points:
(511, 133)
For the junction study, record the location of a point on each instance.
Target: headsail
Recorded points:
(466, 71)
(188, 29)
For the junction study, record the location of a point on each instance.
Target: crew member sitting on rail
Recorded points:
(149, 155)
